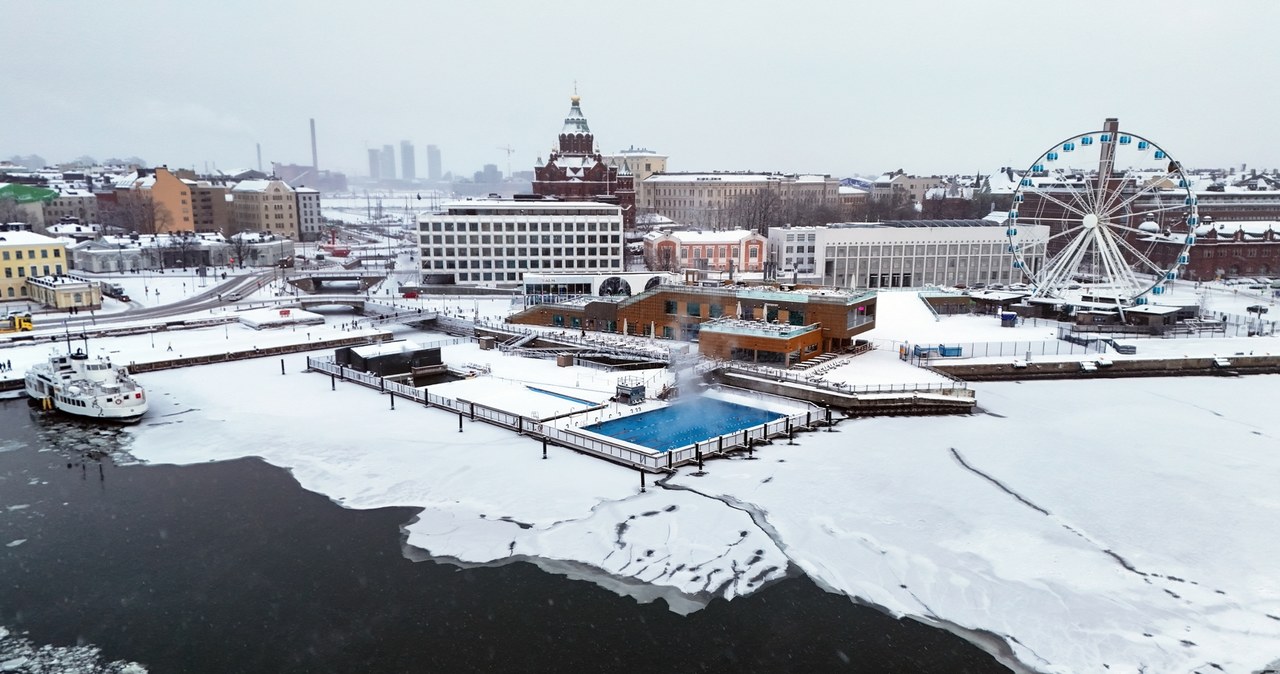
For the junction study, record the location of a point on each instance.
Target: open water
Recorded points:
(233, 567)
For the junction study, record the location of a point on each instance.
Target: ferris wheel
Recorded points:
(1106, 217)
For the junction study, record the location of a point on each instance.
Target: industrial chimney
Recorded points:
(315, 163)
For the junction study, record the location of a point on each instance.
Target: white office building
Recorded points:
(495, 241)
(904, 254)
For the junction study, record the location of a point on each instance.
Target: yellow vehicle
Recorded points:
(17, 323)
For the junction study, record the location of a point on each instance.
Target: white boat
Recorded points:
(86, 387)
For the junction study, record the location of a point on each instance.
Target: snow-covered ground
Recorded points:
(1063, 520)
(1121, 524)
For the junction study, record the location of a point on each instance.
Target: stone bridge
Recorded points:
(315, 281)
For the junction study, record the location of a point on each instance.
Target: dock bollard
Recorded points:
(281, 366)
(544, 447)
(459, 422)
(393, 401)
(333, 383)
(642, 482)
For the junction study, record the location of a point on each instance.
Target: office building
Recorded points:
(375, 163)
(25, 255)
(494, 241)
(904, 254)
(388, 161)
(408, 171)
(433, 163)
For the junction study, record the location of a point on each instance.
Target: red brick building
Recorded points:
(576, 170)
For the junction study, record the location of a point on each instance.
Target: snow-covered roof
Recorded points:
(1227, 228)
(712, 237)
(24, 239)
(712, 177)
(386, 348)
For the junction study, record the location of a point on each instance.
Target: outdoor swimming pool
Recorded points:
(684, 423)
(560, 395)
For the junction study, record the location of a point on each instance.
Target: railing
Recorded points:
(618, 451)
(954, 387)
(932, 310)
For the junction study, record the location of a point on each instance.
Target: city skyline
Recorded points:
(826, 88)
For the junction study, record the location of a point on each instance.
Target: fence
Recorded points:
(1006, 349)
(953, 387)
(633, 456)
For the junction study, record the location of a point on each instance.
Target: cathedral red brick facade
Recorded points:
(577, 172)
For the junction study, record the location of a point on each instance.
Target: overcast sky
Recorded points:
(841, 87)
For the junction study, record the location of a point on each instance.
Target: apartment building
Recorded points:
(708, 199)
(25, 255)
(267, 206)
(310, 222)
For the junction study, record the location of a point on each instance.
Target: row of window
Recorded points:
(523, 226)
(22, 271)
(486, 239)
(31, 253)
(522, 252)
(520, 264)
(1231, 252)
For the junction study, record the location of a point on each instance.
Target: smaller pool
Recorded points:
(684, 423)
(561, 396)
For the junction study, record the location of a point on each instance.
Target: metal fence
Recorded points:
(953, 387)
(617, 451)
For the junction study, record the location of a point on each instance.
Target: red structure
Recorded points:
(577, 172)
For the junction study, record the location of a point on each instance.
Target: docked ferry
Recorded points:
(88, 387)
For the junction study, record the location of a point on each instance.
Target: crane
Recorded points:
(508, 149)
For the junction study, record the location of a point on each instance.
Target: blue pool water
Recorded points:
(561, 396)
(683, 423)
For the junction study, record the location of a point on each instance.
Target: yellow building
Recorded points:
(154, 201)
(66, 291)
(25, 255)
(265, 206)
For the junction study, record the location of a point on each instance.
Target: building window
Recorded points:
(669, 306)
(693, 309)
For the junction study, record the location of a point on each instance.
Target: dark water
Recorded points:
(232, 567)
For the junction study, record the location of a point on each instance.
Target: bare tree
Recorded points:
(10, 211)
(137, 212)
(241, 248)
(183, 245)
(757, 211)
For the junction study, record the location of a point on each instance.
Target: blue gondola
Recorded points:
(1182, 182)
(1142, 145)
(1087, 140)
(1012, 249)
(1193, 220)
(1013, 215)
(1125, 140)
(1038, 168)
(1190, 201)
(1191, 239)
(1017, 264)
(1105, 138)
(1018, 198)
(1158, 290)
(1052, 156)
(1170, 275)
(1025, 182)
(1140, 300)
(1067, 147)
(1184, 259)
(1012, 231)
(1160, 154)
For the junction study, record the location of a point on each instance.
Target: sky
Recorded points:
(846, 88)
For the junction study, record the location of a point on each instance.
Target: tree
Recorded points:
(183, 245)
(138, 213)
(10, 211)
(757, 211)
(241, 248)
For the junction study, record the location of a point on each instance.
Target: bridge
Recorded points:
(315, 281)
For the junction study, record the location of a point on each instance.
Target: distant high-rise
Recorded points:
(433, 163)
(407, 170)
(375, 163)
(388, 162)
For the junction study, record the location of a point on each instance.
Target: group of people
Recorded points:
(6, 366)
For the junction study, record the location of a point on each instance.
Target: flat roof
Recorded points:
(738, 326)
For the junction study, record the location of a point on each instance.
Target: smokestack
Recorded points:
(315, 163)
(259, 157)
